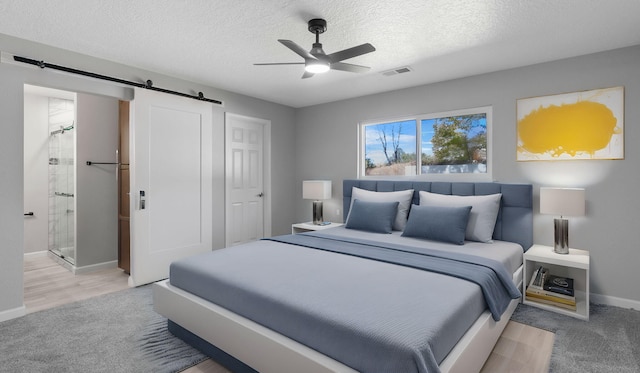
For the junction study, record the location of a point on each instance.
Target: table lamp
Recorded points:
(563, 202)
(316, 190)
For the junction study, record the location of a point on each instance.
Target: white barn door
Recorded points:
(244, 174)
(171, 182)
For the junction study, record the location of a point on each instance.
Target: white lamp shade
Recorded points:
(316, 189)
(562, 201)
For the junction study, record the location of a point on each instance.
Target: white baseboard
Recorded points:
(95, 267)
(13, 313)
(615, 301)
(43, 252)
(84, 269)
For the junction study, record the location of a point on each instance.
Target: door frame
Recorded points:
(266, 168)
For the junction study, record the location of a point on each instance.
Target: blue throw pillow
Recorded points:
(438, 223)
(484, 211)
(372, 216)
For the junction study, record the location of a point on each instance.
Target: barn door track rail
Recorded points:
(148, 84)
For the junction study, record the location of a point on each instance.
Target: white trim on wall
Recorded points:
(95, 267)
(615, 301)
(13, 313)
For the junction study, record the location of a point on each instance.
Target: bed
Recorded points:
(348, 299)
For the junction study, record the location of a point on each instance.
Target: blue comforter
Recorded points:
(368, 314)
(496, 284)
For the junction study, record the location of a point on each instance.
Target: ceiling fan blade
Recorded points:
(351, 52)
(279, 63)
(297, 49)
(307, 75)
(349, 67)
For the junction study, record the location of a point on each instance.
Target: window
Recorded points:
(453, 142)
(390, 148)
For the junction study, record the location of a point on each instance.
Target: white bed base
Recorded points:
(269, 352)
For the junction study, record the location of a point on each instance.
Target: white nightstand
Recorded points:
(574, 265)
(309, 226)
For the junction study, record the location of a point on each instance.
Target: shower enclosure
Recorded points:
(62, 179)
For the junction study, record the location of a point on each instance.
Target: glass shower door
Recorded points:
(62, 179)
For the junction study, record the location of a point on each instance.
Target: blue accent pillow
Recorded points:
(372, 216)
(483, 216)
(403, 197)
(438, 223)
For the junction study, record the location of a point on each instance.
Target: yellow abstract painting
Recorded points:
(579, 125)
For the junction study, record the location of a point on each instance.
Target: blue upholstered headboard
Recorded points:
(515, 219)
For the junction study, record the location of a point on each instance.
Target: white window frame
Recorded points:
(487, 176)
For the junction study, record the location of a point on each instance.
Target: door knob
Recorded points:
(260, 195)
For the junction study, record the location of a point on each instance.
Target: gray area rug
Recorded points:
(608, 342)
(117, 332)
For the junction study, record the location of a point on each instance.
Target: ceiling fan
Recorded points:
(316, 61)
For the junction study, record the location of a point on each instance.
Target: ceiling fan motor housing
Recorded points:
(317, 26)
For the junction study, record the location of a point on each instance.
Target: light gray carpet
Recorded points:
(117, 332)
(608, 342)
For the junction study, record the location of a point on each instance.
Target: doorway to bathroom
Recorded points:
(70, 178)
(49, 125)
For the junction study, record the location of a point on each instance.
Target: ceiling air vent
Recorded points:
(396, 71)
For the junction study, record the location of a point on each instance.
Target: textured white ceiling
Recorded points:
(217, 42)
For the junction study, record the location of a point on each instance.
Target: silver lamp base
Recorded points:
(317, 213)
(561, 236)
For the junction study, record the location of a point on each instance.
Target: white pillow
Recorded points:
(484, 212)
(403, 197)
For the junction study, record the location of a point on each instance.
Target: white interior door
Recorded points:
(171, 182)
(244, 169)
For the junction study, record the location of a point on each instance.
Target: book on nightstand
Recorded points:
(554, 303)
(538, 290)
(560, 285)
(538, 278)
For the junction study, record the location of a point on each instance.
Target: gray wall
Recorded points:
(96, 185)
(13, 78)
(326, 138)
(36, 173)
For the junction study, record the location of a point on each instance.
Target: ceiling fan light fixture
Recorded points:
(317, 67)
(316, 61)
